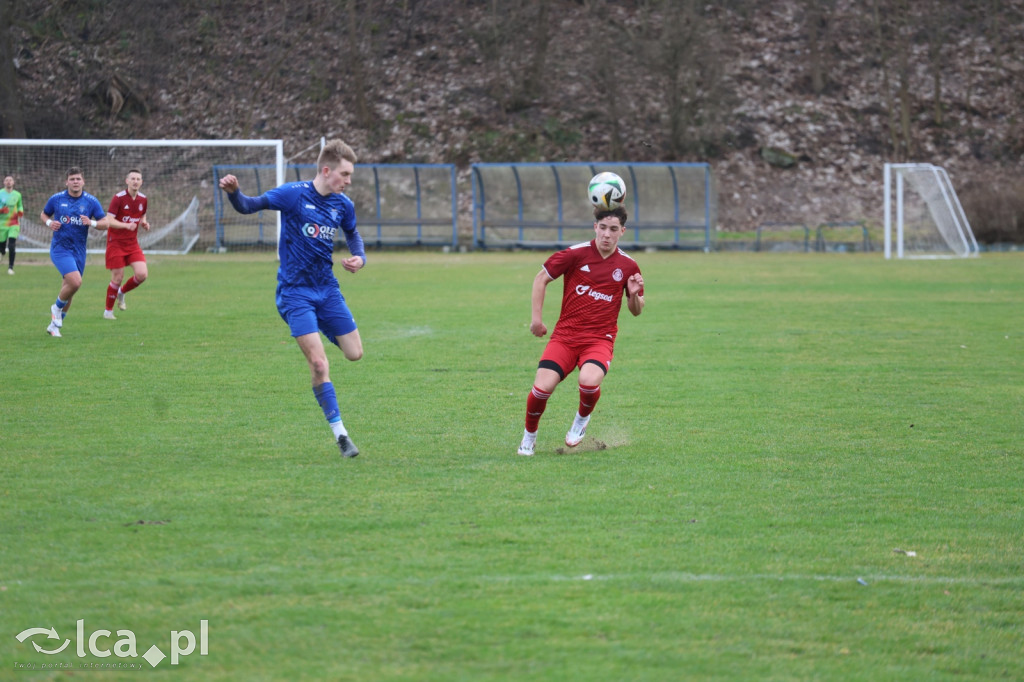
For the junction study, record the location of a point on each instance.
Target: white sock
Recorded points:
(339, 429)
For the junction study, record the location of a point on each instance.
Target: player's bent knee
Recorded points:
(351, 345)
(319, 368)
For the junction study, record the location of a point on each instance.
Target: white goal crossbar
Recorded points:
(929, 220)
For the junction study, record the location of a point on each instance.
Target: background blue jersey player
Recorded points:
(308, 296)
(70, 214)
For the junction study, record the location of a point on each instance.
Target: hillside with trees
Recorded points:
(796, 104)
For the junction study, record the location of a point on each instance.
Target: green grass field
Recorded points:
(774, 428)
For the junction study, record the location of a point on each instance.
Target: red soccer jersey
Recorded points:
(126, 210)
(592, 293)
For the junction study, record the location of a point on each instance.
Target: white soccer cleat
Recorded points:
(10, 271)
(527, 445)
(53, 330)
(108, 315)
(56, 316)
(121, 305)
(576, 432)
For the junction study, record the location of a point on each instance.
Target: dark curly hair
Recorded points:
(620, 213)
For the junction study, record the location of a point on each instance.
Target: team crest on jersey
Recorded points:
(617, 275)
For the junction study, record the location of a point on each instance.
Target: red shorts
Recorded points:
(570, 356)
(123, 257)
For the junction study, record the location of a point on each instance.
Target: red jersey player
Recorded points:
(128, 207)
(597, 275)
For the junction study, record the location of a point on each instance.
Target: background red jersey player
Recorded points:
(597, 275)
(128, 207)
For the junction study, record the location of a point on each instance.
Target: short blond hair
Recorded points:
(333, 153)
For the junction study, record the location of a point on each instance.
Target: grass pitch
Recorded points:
(801, 467)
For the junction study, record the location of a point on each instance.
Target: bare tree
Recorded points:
(892, 47)
(939, 20)
(356, 46)
(817, 19)
(514, 37)
(1000, 22)
(677, 42)
(12, 118)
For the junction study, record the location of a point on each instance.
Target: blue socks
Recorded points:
(328, 401)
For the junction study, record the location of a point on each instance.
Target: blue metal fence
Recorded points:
(842, 238)
(670, 205)
(396, 205)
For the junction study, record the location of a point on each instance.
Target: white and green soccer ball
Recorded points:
(607, 191)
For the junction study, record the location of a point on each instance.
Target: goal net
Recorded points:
(929, 221)
(178, 181)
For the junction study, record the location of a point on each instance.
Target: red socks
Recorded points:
(538, 401)
(111, 296)
(126, 286)
(589, 396)
(535, 404)
(129, 285)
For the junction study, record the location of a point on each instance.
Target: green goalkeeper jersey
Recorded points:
(15, 209)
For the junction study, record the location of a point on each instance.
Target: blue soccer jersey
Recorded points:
(68, 211)
(309, 224)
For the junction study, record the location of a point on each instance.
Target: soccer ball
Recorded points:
(607, 191)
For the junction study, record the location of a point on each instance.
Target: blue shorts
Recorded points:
(308, 310)
(66, 262)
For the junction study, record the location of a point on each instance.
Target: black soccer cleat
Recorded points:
(347, 447)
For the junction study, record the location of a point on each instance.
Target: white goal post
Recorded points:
(929, 220)
(178, 181)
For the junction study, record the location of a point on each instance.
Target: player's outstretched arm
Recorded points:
(240, 202)
(229, 183)
(634, 294)
(540, 285)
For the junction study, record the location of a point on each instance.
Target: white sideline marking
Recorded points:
(403, 333)
(767, 577)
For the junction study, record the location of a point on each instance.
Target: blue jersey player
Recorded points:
(308, 297)
(70, 214)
